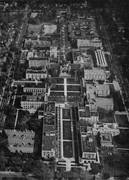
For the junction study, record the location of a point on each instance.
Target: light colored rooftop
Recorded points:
(90, 87)
(106, 137)
(94, 71)
(104, 87)
(49, 28)
(20, 141)
(33, 98)
(104, 101)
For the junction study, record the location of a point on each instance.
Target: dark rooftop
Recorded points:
(35, 85)
(88, 143)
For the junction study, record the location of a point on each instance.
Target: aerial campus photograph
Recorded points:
(64, 90)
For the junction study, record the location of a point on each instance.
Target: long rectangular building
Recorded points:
(94, 74)
(38, 62)
(100, 57)
(32, 102)
(36, 74)
(35, 88)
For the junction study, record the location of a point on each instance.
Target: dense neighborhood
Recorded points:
(64, 100)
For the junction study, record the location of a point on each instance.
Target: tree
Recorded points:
(13, 47)
(42, 171)
(96, 168)
(29, 166)
(34, 124)
(3, 79)
(16, 164)
(122, 138)
(106, 175)
(3, 161)
(29, 45)
(9, 110)
(70, 175)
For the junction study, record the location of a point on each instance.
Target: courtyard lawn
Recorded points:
(67, 135)
(67, 149)
(66, 114)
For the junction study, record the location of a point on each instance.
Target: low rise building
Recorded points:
(92, 104)
(83, 58)
(95, 42)
(105, 103)
(88, 147)
(36, 28)
(82, 29)
(102, 90)
(90, 91)
(49, 29)
(38, 61)
(109, 128)
(87, 115)
(48, 141)
(94, 116)
(100, 57)
(32, 102)
(94, 74)
(95, 89)
(35, 88)
(84, 114)
(106, 140)
(36, 74)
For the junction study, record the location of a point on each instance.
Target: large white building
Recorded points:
(88, 147)
(102, 90)
(35, 88)
(53, 52)
(100, 57)
(105, 103)
(108, 128)
(31, 102)
(89, 43)
(38, 62)
(36, 74)
(94, 74)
